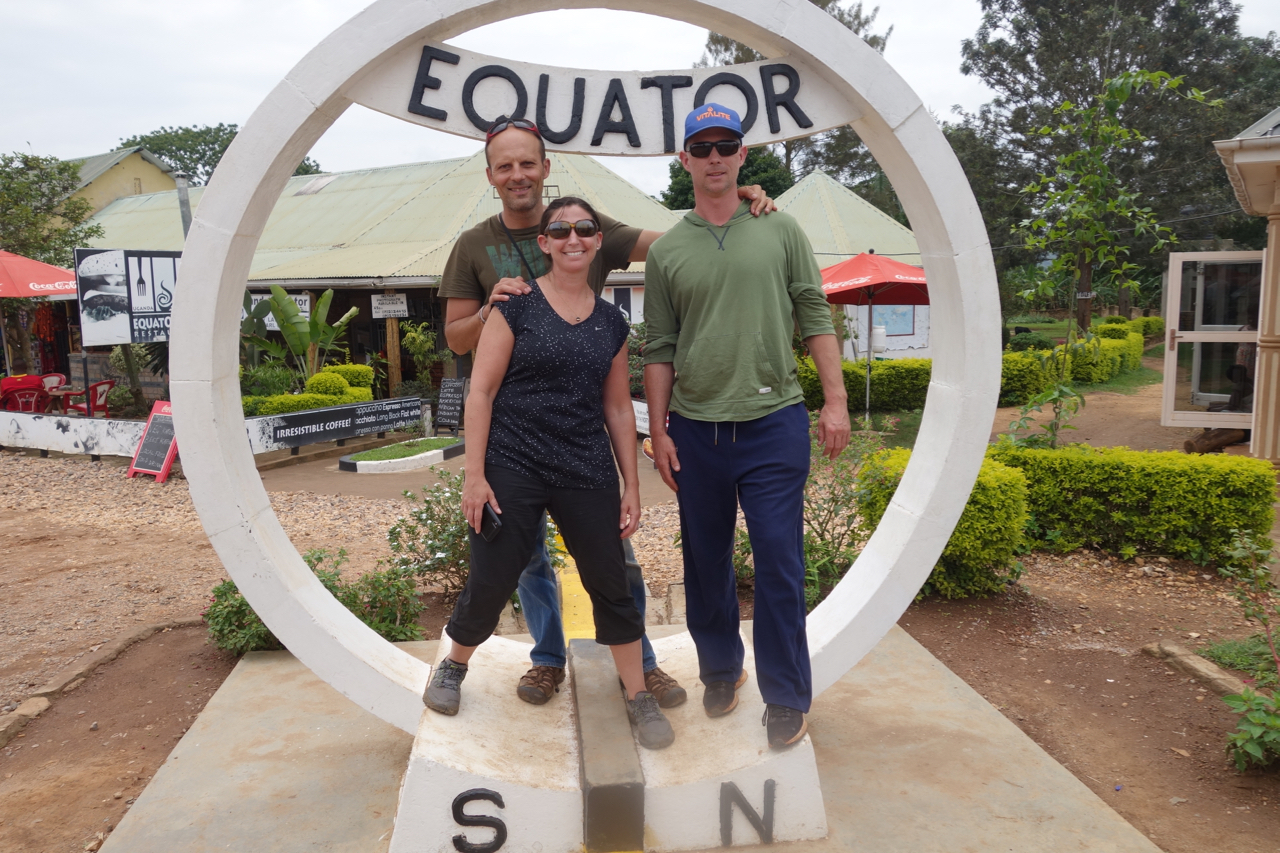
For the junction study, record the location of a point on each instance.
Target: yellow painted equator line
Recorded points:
(575, 604)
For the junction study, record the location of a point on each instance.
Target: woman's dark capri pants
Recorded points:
(588, 521)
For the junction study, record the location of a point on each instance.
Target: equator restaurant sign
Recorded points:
(598, 112)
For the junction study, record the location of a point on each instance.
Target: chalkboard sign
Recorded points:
(449, 408)
(158, 447)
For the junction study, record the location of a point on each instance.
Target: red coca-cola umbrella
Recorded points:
(21, 276)
(869, 278)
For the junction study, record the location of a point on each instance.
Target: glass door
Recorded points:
(1211, 339)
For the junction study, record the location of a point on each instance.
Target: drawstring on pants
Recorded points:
(716, 435)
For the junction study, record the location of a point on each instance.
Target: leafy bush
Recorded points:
(1130, 501)
(1030, 340)
(1114, 320)
(635, 361)
(268, 379)
(283, 404)
(1022, 377)
(1113, 330)
(357, 375)
(1256, 739)
(423, 390)
(431, 541)
(386, 601)
(251, 406)
(331, 384)
(979, 557)
(1091, 364)
(119, 398)
(1149, 327)
(358, 395)
(898, 384)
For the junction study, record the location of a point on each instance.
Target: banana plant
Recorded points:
(253, 332)
(309, 339)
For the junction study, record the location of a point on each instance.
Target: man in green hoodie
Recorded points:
(724, 292)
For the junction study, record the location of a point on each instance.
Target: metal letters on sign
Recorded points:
(390, 305)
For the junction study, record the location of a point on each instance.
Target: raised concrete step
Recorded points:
(501, 770)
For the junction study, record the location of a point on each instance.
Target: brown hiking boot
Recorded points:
(540, 683)
(665, 689)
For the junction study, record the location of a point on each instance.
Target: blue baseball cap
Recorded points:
(711, 115)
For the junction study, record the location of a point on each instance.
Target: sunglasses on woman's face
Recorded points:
(560, 229)
(725, 147)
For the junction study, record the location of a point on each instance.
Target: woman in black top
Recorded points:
(550, 377)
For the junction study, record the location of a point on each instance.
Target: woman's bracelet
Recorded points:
(480, 313)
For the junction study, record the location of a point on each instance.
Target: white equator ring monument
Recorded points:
(391, 58)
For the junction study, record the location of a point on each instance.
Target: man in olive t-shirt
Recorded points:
(493, 261)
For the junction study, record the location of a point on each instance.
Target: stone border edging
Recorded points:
(404, 463)
(69, 679)
(1218, 679)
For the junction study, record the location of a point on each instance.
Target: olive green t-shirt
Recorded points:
(484, 254)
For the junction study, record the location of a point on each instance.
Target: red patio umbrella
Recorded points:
(867, 278)
(21, 276)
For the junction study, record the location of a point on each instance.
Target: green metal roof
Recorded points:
(401, 221)
(390, 222)
(841, 224)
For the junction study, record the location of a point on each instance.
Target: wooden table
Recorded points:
(58, 397)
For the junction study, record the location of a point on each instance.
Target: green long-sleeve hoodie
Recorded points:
(721, 302)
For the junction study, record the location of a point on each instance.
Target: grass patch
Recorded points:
(908, 428)
(1125, 383)
(1250, 656)
(403, 449)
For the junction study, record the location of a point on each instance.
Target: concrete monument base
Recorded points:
(910, 760)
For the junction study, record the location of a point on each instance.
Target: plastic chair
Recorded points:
(26, 400)
(53, 380)
(95, 399)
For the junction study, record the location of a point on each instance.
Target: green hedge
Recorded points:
(331, 384)
(283, 404)
(979, 557)
(1021, 378)
(1114, 320)
(897, 385)
(357, 375)
(1149, 327)
(1030, 340)
(1119, 332)
(1131, 501)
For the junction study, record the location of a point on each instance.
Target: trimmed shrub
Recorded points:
(1114, 331)
(327, 383)
(898, 384)
(1133, 347)
(1091, 364)
(283, 404)
(978, 559)
(251, 406)
(1021, 378)
(357, 375)
(358, 395)
(268, 379)
(1131, 501)
(1115, 320)
(1149, 327)
(1030, 340)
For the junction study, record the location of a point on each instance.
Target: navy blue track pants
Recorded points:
(762, 465)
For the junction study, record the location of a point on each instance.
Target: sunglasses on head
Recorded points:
(504, 123)
(726, 148)
(560, 229)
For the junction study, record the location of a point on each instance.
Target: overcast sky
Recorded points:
(76, 76)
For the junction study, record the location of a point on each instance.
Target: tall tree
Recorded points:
(197, 150)
(837, 152)
(762, 166)
(1039, 54)
(39, 219)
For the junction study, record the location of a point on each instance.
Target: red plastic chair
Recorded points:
(95, 397)
(53, 380)
(26, 400)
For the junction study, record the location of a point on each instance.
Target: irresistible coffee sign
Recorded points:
(598, 112)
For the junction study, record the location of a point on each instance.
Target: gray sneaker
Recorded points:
(444, 690)
(652, 729)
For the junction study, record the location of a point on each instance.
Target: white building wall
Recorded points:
(914, 345)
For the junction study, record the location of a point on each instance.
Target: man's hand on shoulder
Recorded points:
(507, 288)
(760, 202)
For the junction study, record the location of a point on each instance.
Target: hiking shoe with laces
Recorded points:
(444, 690)
(652, 729)
(785, 725)
(539, 684)
(666, 689)
(721, 697)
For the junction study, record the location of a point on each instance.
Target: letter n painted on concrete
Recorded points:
(730, 794)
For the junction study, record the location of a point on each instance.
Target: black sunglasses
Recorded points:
(561, 229)
(504, 123)
(726, 148)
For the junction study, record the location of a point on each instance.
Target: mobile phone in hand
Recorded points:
(490, 525)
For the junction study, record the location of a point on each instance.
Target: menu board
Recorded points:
(158, 447)
(449, 406)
